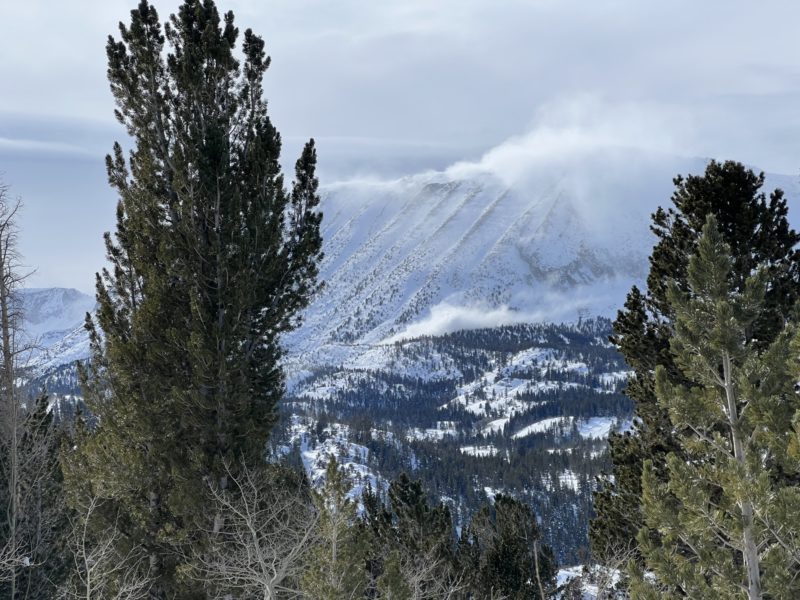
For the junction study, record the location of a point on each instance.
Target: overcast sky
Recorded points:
(396, 86)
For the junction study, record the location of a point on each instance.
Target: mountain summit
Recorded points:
(473, 247)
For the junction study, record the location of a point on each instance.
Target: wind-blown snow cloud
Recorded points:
(574, 128)
(448, 317)
(445, 318)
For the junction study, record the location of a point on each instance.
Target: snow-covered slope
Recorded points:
(52, 324)
(436, 248)
(519, 409)
(469, 247)
(49, 311)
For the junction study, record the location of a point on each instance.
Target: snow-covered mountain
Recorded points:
(472, 246)
(479, 246)
(52, 310)
(52, 323)
(475, 245)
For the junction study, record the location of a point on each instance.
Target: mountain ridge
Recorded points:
(461, 248)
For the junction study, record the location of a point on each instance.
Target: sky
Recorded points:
(392, 87)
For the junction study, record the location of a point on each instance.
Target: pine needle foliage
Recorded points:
(723, 515)
(211, 261)
(757, 231)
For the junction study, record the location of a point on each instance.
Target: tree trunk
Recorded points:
(750, 546)
(12, 407)
(536, 567)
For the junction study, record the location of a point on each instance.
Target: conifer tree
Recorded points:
(336, 564)
(411, 545)
(419, 546)
(509, 559)
(757, 230)
(211, 261)
(725, 516)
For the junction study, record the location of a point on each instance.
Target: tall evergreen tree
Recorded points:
(211, 262)
(727, 522)
(757, 231)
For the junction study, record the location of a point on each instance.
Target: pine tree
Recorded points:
(411, 545)
(721, 515)
(337, 563)
(211, 261)
(509, 559)
(419, 546)
(757, 230)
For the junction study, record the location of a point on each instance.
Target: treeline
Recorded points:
(554, 474)
(386, 413)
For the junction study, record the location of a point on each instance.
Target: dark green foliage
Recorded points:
(504, 554)
(210, 263)
(413, 551)
(757, 231)
(336, 565)
(412, 544)
(726, 519)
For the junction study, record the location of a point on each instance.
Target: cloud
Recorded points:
(574, 128)
(42, 146)
(456, 72)
(446, 317)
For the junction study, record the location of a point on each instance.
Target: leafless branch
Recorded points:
(260, 548)
(99, 573)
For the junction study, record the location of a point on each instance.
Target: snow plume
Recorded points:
(571, 129)
(613, 162)
(448, 317)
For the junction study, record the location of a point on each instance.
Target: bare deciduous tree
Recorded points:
(267, 530)
(14, 551)
(27, 444)
(606, 577)
(99, 573)
(429, 577)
